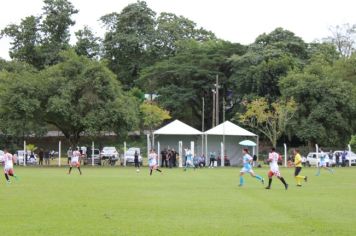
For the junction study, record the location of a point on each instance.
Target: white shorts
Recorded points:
(322, 164)
(246, 170)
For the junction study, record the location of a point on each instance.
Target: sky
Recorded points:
(238, 21)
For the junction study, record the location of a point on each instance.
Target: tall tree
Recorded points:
(129, 41)
(87, 43)
(269, 119)
(344, 38)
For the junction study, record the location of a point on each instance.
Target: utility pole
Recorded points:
(213, 125)
(217, 100)
(202, 127)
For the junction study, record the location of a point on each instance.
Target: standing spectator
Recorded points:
(254, 160)
(170, 158)
(164, 158)
(212, 159)
(69, 155)
(46, 157)
(337, 159)
(174, 158)
(343, 158)
(137, 163)
(40, 155)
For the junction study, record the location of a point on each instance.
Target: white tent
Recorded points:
(170, 135)
(232, 134)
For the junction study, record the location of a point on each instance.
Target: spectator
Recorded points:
(137, 163)
(69, 155)
(46, 157)
(343, 158)
(164, 158)
(40, 155)
(212, 159)
(174, 158)
(254, 160)
(337, 159)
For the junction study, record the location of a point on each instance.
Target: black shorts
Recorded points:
(297, 170)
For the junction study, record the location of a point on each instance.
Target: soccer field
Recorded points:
(119, 201)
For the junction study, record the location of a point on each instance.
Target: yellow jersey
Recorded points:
(298, 160)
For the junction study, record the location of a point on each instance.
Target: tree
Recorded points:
(129, 41)
(84, 96)
(38, 40)
(326, 105)
(344, 38)
(353, 142)
(269, 58)
(183, 79)
(87, 43)
(152, 115)
(269, 119)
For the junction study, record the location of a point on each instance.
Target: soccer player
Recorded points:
(188, 159)
(75, 161)
(298, 168)
(9, 165)
(247, 168)
(274, 169)
(152, 161)
(322, 164)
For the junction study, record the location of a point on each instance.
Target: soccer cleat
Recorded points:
(286, 186)
(299, 185)
(306, 179)
(268, 187)
(240, 185)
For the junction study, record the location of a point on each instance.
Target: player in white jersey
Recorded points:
(273, 158)
(188, 159)
(152, 161)
(75, 161)
(247, 168)
(9, 160)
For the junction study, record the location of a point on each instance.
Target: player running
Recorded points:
(247, 168)
(298, 168)
(152, 161)
(322, 164)
(75, 161)
(274, 169)
(188, 159)
(9, 160)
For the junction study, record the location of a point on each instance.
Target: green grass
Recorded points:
(119, 201)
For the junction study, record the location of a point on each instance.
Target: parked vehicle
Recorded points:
(313, 159)
(109, 156)
(87, 160)
(129, 156)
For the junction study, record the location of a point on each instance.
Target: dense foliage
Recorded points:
(97, 84)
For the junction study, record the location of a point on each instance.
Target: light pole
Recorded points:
(214, 92)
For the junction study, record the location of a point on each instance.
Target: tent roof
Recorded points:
(177, 128)
(228, 128)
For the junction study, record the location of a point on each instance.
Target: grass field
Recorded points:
(119, 201)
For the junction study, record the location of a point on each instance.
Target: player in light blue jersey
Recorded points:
(188, 159)
(247, 168)
(322, 163)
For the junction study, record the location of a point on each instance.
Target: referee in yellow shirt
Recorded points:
(298, 168)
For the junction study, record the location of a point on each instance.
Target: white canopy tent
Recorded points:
(170, 135)
(232, 134)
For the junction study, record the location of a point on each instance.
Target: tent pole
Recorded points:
(257, 147)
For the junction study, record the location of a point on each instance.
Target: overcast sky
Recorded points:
(234, 20)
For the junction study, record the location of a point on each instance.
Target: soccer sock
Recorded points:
(151, 172)
(241, 180)
(7, 177)
(79, 170)
(269, 182)
(258, 177)
(158, 170)
(70, 169)
(318, 173)
(283, 181)
(330, 170)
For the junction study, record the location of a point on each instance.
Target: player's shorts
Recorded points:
(322, 164)
(8, 170)
(274, 172)
(246, 170)
(153, 166)
(75, 163)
